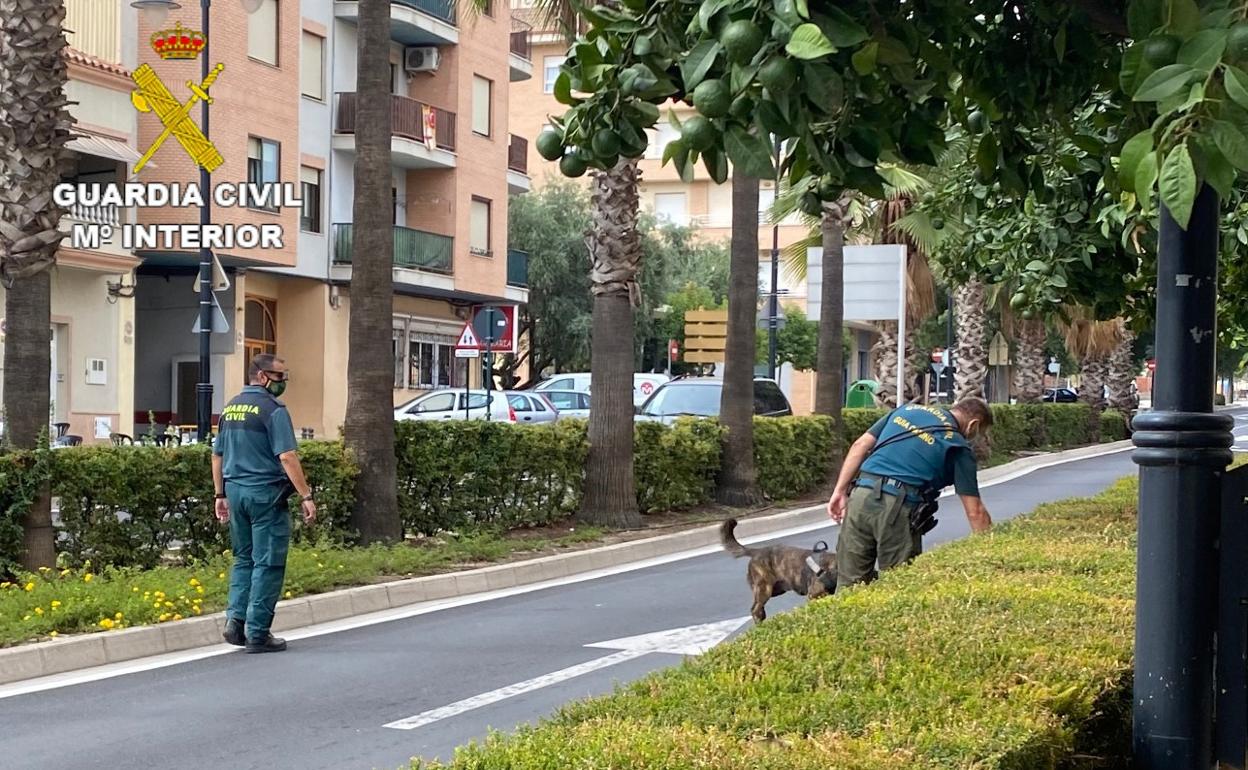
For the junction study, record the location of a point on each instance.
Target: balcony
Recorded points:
(518, 180)
(423, 136)
(520, 53)
(518, 268)
(412, 22)
(413, 249)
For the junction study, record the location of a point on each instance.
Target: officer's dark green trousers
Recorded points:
(876, 527)
(260, 537)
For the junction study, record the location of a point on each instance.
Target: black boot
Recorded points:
(234, 632)
(270, 644)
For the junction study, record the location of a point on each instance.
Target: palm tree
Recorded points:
(34, 127)
(1122, 371)
(970, 300)
(368, 430)
(738, 479)
(897, 226)
(1091, 341)
(615, 253)
(1030, 361)
(830, 358)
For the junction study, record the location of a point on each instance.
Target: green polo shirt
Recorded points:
(933, 454)
(255, 430)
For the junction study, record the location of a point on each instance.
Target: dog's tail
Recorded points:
(729, 540)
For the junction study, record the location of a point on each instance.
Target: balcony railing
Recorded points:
(518, 268)
(97, 215)
(410, 119)
(518, 154)
(521, 43)
(439, 9)
(413, 249)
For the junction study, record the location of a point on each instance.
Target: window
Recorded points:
(312, 66)
(262, 163)
(259, 328)
(519, 403)
(659, 139)
(481, 92)
(310, 213)
(488, 10)
(550, 71)
(262, 33)
(394, 205)
(563, 401)
(479, 228)
(766, 198)
(670, 207)
(423, 358)
(397, 337)
(769, 399)
(564, 384)
(442, 402)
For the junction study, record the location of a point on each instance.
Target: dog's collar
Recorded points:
(825, 577)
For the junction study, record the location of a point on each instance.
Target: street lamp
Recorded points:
(155, 12)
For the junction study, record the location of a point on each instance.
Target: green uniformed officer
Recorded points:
(911, 450)
(255, 467)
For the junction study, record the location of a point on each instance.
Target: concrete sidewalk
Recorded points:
(96, 649)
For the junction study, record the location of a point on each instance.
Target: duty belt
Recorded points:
(885, 484)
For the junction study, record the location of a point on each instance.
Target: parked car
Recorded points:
(569, 403)
(644, 384)
(1060, 395)
(530, 408)
(457, 405)
(700, 396)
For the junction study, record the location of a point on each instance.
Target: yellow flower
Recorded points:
(106, 624)
(163, 617)
(156, 605)
(169, 605)
(220, 576)
(53, 634)
(26, 618)
(119, 616)
(320, 566)
(64, 572)
(55, 604)
(177, 617)
(288, 594)
(45, 569)
(29, 587)
(87, 577)
(38, 610)
(134, 589)
(192, 582)
(340, 566)
(160, 594)
(199, 589)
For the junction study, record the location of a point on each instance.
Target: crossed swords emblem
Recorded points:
(153, 96)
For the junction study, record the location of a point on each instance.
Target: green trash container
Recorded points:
(861, 394)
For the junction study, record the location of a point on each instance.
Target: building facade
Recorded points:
(283, 113)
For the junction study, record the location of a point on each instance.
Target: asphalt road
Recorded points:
(325, 702)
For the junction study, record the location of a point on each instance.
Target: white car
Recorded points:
(644, 385)
(457, 405)
(570, 403)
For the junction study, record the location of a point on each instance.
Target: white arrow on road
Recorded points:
(690, 640)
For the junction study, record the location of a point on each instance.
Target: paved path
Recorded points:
(325, 703)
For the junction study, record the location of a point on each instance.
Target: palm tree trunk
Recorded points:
(1122, 372)
(830, 359)
(369, 426)
(615, 253)
(1093, 368)
(1029, 361)
(34, 127)
(738, 478)
(970, 300)
(884, 363)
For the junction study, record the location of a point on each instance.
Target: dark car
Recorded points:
(700, 396)
(1060, 395)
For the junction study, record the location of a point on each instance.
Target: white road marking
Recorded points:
(690, 640)
(124, 668)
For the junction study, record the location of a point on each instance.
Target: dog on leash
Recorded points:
(776, 569)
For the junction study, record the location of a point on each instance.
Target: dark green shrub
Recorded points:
(675, 467)
(1115, 426)
(1068, 425)
(19, 484)
(858, 422)
(792, 455)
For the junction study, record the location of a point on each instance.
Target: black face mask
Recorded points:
(276, 388)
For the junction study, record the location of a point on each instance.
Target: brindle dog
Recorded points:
(775, 569)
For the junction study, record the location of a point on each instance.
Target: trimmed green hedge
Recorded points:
(132, 505)
(1010, 651)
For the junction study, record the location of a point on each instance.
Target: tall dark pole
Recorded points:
(1182, 451)
(203, 390)
(773, 301)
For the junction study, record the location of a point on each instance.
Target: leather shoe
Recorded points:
(234, 633)
(270, 644)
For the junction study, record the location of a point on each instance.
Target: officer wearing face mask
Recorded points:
(892, 475)
(255, 468)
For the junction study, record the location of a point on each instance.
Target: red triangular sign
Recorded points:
(468, 339)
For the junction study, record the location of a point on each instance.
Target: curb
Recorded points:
(58, 656)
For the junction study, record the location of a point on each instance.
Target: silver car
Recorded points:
(455, 405)
(528, 408)
(569, 403)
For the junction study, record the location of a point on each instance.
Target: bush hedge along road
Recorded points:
(1010, 651)
(128, 506)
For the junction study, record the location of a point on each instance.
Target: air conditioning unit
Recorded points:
(420, 59)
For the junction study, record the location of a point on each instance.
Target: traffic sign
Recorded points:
(673, 350)
(467, 341)
(467, 353)
(497, 323)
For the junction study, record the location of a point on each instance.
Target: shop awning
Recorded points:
(104, 147)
